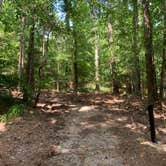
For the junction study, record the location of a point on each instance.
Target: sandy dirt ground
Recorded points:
(91, 130)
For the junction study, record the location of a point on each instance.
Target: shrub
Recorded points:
(14, 111)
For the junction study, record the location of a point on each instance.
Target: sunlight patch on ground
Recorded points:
(122, 119)
(135, 104)
(158, 147)
(53, 120)
(86, 108)
(2, 127)
(115, 100)
(59, 149)
(72, 105)
(54, 100)
(159, 116)
(117, 109)
(95, 124)
(41, 104)
(51, 111)
(136, 127)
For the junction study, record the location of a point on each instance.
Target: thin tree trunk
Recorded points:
(136, 72)
(29, 89)
(152, 95)
(43, 61)
(115, 89)
(22, 51)
(75, 65)
(67, 8)
(96, 51)
(163, 71)
(150, 71)
(97, 66)
(57, 81)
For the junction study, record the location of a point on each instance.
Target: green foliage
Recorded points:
(14, 111)
(10, 81)
(51, 17)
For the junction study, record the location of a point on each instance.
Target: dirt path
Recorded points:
(95, 130)
(87, 141)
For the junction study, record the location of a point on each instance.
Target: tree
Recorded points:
(152, 93)
(136, 70)
(69, 9)
(75, 65)
(30, 87)
(22, 51)
(150, 70)
(115, 87)
(163, 70)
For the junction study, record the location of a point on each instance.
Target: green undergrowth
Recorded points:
(91, 88)
(14, 111)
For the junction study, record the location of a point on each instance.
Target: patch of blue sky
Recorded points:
(58, 7)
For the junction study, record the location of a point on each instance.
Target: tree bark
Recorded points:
(136, 70)
(115, 87)
(43, 61)
(67, 9)
(163, 70)
(29, 89)
(22, 51)
(97, 66)
(75, 65)
(150, 69)
(57, 81)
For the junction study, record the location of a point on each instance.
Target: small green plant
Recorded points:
(14, 111)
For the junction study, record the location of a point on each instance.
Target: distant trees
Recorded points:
(92, 46)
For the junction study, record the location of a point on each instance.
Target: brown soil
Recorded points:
(91, 130)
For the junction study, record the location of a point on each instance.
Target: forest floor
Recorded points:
(92, 130)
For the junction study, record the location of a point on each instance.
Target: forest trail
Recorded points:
(88, 139)
(94, 130)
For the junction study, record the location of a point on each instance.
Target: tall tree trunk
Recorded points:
(67, 9)
(163, 71)
(43, 61)
(29, 89)
(67, 74)
(97, 65)
(75, 65)
(150, 69)
(115, 87)
(136, 70)
(22, 51)
(96, 51)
